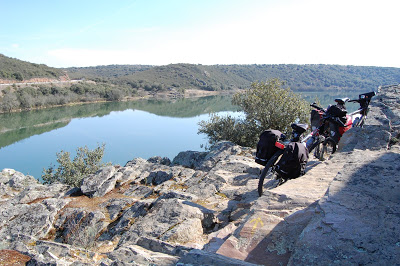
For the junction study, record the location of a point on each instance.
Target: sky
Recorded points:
(78, 33)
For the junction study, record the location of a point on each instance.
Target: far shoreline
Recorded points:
(188, 93)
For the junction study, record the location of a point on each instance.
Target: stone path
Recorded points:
(279, 216)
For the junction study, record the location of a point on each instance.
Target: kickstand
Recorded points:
(281, 181)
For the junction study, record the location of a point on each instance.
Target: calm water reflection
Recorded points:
(29, 141)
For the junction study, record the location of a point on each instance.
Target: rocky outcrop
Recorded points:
(149, 211)
(358, 219)
(203, 208)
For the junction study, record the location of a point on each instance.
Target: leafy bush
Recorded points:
(265, 105)
(114, 94)
(239, 131)
(69, 172)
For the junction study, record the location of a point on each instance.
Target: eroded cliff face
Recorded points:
(203, 208)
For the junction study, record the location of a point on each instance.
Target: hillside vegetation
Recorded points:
(98, 72)
(225, 77)
(18, 70)
(116, 82)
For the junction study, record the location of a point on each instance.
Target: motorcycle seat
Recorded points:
(342, 100)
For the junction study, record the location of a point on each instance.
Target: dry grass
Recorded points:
(108, 246)
(179, 186)
(12, 257)
(37, 200)
(93, 204)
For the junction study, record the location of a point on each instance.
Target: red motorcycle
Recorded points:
(334, 122)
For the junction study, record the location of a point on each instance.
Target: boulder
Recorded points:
(163, 217)
(100, 183)
(128, 217)
(42, 252)
(138, 164)
(159, 160)
(158, 176)
(34, 220)
(138, 191)
(38, 192)
(116, 206)
(158, 245)
(15, 179)
(79, 227)
(12, 182)
(190, 159)
(136, 255)
(219, 152)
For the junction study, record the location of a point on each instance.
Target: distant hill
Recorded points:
(210, 77)
(18, 70)
(225, 77)
(119, 82)
(110, 71)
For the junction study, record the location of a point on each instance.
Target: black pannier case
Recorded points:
(293, 161)
(266, 145)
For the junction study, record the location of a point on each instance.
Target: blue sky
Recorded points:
(98, 32)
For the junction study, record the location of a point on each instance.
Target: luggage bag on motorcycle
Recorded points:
(337, 111)
(339, 122)
(293, 161)
(266, 145)
(316, 118)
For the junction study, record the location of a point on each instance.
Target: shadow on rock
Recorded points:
(356, 222)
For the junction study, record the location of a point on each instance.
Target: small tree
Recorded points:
(265, 105)
(72, 172)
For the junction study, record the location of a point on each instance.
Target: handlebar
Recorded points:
(317, 107)
(364, 99)
(355, 100)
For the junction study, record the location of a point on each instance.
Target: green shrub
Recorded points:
(26, 100)
(265, 105)
(9, 102)
(114, 94)
(239, 131)
(69, 172)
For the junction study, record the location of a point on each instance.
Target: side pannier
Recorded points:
(266, 145)
(293, 161)
(337, 111)
(316, 118)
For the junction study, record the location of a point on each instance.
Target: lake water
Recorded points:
(29, 141)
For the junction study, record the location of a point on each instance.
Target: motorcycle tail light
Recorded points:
(279, 145)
